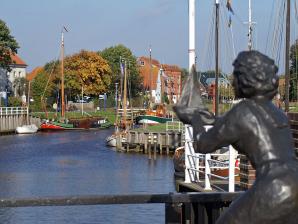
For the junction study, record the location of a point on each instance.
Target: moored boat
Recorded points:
(76, 124)
(27, 129)
(111, 141)
(151, 119)
(122, 123)
(154, 116)
(54, 126)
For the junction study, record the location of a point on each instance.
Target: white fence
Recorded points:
(6, 111)
(206, 164)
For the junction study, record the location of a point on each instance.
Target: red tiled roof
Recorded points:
(34, 73)
(147, 60)
(17, 60)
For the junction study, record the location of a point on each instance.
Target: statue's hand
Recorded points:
(190, 106)
(185, 114)
(193, 116)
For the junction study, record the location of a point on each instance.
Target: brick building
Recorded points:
(170, 77)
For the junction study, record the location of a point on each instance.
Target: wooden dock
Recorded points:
(152, 142)
(217, 186)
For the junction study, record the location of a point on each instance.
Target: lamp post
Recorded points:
(116, 95)
(6, 98)
(104, 101)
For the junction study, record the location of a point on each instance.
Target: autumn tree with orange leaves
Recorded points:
(89, 70)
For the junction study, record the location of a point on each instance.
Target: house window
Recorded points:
(142, 63)
(20, 74)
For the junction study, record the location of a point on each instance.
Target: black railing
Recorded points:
(188, 208)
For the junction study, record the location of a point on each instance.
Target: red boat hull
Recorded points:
(49, 126)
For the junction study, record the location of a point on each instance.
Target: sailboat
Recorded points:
(122, 123)
(75, 123)
(27, 128)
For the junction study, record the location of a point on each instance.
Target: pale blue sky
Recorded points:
(97, 24)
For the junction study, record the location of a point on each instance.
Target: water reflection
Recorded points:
(78, 163)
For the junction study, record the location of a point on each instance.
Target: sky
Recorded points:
(162, 24)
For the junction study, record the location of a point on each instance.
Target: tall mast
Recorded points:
(150, 74)
(29, 86)
(125, 96)
(62, 75)
(116, 95)
(287, 55)
(216, 57)
(249, 26)
(192, 62)
(192, 35)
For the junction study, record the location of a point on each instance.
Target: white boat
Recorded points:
(151, 119)
(111, 141)
(27, 129)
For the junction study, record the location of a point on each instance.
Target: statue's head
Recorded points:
(255, 75)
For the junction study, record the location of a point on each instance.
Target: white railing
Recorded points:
(207, 164)
(174, 126)
(5, 111)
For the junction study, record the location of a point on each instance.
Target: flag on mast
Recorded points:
(231, 12)
(229, 6)
(64, 28)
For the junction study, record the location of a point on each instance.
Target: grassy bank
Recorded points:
(152, 128)
(108, 114)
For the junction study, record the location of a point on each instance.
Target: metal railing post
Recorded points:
(188, 152)
(231, 169)
(207, 172)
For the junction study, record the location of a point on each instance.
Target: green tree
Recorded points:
(8, 45)
(184, 74)
(20, 85)
(293, 90)
(41, 89)
(14, 101)
(89, 69)
(112, 55)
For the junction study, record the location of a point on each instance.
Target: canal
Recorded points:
(78, 163)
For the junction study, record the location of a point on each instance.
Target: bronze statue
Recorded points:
(258, 129)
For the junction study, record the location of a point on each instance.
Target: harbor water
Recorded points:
(78, 163)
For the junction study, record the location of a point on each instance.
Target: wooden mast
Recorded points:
(150, 77)
(125, 97)
(28, 104)
(62, 76)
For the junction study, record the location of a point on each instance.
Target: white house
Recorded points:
(18, 70)
(157, 92)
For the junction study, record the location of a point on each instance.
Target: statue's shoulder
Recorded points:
(241, 106)
(239, 112)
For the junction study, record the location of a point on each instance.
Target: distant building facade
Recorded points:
(162, 80)
(7, 79)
